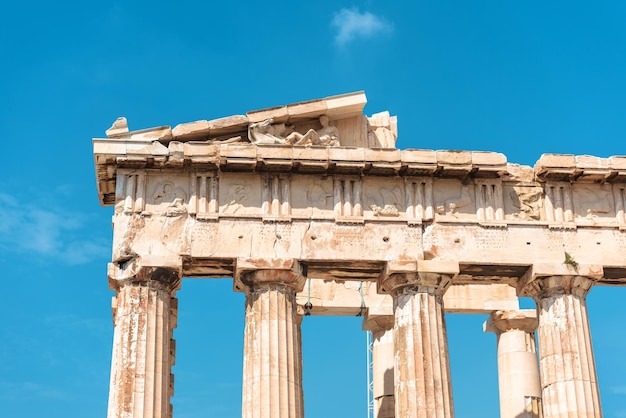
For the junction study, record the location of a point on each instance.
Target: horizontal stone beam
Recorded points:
(353, 298)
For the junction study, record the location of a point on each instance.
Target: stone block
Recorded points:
(119, 128)
(419, 162)
(345, 105)
(592, 169)
(306, 110)
(200, 149)
(564, 269)
(438, 266)
(151, 149)
(275, 157)
(191, 131)
(162, 133)
(279, 114)
(379, 120)
(310, 159)
(555, 167)
(454, 158)
(228, 125)
(548, 161)
(347, 160)
(617, 163)
(238, 152)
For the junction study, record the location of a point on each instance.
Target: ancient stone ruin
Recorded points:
(311, 209)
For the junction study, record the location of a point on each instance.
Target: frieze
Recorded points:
(204, 191)
(355, 199)
(276, 197)
(384, 198)
(240, 194)
(593, 203)
(347, 197)
(455, 199)
(619, 194)
(524, 202)
(419, 199)
(312, 197)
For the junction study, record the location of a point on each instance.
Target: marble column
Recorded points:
(569, 384)
(272, 368)
(381, 328)
(423, 387)
(518, 369)
(142, 349)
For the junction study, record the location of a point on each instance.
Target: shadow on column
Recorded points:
(533, 408)
(386, 407)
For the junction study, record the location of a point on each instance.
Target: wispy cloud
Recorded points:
(620, 390)
(47, 230)
(352, 24)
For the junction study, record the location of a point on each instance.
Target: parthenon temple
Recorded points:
(312, 210)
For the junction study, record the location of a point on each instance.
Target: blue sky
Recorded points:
(522, 78)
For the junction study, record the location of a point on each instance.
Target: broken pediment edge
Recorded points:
(300, 122)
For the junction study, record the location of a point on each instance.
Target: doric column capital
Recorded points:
(257, 274)
(503, 321)
(545, 280)
(378, 323)
(140, 271)
(432, 276)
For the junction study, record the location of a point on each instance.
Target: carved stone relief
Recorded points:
(240, 194)
(591, 204)
(318, 196)
(526, 202)
(455, 199)
(311, 197)
(384, 199)
(268, 132)
(236, 198)
(166, 195)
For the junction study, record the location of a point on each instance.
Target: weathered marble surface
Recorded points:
(367, 224)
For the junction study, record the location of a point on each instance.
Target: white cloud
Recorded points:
(48, 231)
(352, 24)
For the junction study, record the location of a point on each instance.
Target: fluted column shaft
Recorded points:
(272, 369)
(423, 386)
(568, 374)
(518, 368)
(382, 364)
(141, 361)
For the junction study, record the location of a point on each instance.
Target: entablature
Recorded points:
(320, 183)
